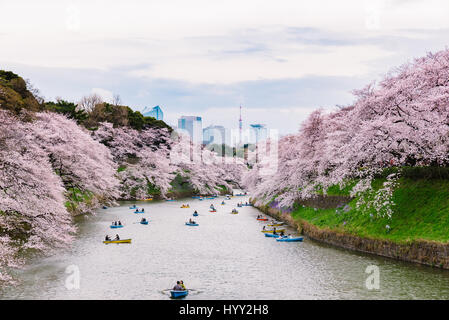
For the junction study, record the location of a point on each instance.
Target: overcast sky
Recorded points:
(278, 59)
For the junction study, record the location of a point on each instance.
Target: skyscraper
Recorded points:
(155, 112)
(258, 133)
(193, 126)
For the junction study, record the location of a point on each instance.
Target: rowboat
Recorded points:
(115, 227)
(133, 207)
(195, 214)
(212, 210)
(262, 219)
(137, 211)
(271, 231)
(270, 235)
(148, 199)
(170, 200)
(234, 212)
(275, 224)
(210, 198)
(143, 222)
(104, 207)
(178, 293)
(290, 239)
(192, 224)
(185, 207)
(117, 241)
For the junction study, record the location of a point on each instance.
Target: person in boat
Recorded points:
(117, 237)
(281, 233)
(119, 223)
(178, 286)
(182, 285)
(222, 202)
(107, 238)
(274, 231)
(263, 228)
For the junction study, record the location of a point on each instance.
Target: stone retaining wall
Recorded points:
(420, 251)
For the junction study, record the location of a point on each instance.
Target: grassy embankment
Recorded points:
(421, 210)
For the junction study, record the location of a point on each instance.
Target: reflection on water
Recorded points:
(225, 257)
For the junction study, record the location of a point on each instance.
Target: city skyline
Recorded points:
(218, 134)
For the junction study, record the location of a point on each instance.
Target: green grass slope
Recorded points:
(421, 212)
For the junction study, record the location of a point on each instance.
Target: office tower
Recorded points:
(155, 112)
(259, 132)
(193, 126)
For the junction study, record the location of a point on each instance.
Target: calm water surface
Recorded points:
(225, 257)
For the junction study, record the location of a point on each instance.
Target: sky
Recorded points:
(279, 60)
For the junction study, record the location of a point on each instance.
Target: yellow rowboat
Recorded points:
(118, 241)
(271, 231)
(275, 225)
(234, 212)
(183, 207)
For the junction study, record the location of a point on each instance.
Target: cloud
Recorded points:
(278, 59)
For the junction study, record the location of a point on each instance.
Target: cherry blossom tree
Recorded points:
(402, 121)
(81, 162)
(32, 211)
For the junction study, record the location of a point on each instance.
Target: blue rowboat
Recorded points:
(139, 211)
(195, 214)
(179, 293)
(170, 200)
(115, 227)
(288, 239)
(270, 235)
(133, 207)
(192, 224)
(143, 222)
(104, 207)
